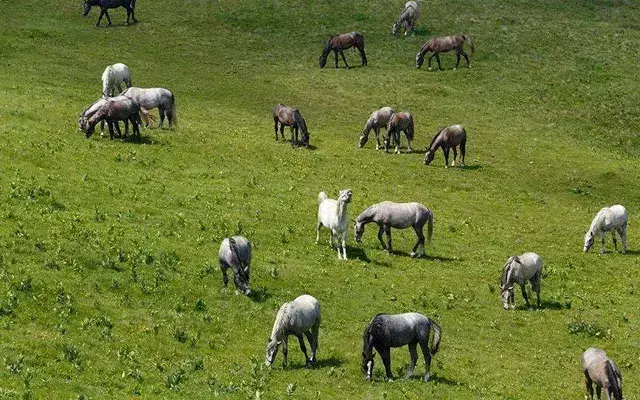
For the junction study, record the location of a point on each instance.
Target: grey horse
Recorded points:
(520, 269)
(399, 122)
(115, 109)
(400, 216)
(377, 120)
(386, 331)
(155, 97)
(407, 18)
(291, 117)
(599, 369)
(448, 138)
(235, 253)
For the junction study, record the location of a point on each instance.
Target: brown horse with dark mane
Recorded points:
(342, 42)
(448, 138)
(285, 115)
(444, 44)
(399, 122)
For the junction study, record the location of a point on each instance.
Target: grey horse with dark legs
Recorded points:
(115, 109)
(520, 269)
(339, 43)
(386, 331)
(151, 98)
(448, 138)
(105, 5)
(285, 115)
(602, 371)
(399, 216)
(444, 44)
(407, 18)
(235, 253)
(377, 120)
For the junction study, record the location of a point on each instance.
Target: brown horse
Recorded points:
(399, 122)
(342, 42)
(444, 44)
(115, 109)
(447, 138)
(290, 117)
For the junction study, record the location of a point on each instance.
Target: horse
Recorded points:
(290, 117)
(297, 317)
(161, 98)
(386, 331)
(376, 120)
(444, 44)
(407, 18)
(610, 219)
(519, 269)
(112, 78)
(399, 122)
(447, 138)
(235, 253)
(599, 368)
(89, 111)
(338, 43)
(119, 108)
(105, 5)
(399, 216)
(333, 215)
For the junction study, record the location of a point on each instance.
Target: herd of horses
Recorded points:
(301, 317)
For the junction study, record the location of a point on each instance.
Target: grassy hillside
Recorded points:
(109, 283)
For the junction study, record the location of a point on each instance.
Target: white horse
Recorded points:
(377, 120)
(520, 269)
(599, 369)
(235, 253)
(112, 78)
(155, 97)
(407, 18)
(610, 219)
(297, 317)
(333, 215)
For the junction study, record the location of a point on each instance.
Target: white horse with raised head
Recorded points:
(161, 98)
(602, 371)
(112, 79)
(520, 269)
(610, 219)
(333, 215)
(298, 317)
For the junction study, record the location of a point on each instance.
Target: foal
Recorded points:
(342, 42)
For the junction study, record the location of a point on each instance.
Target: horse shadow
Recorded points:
(426, 257)
(358, 253)
(473, 167)
(632, 252)
(321, 363)
(259, 295)
(422, 31)
(552, 305)
(139, 140)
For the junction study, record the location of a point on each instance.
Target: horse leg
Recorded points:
(335, 53)
(319, 225)
(623, 237)
(615, 242)
(413, 351)
(133, 12)
(524, 295)
(396, 139)
(438, 60)
(457, 60)
(465, 57)
(363, 55)
(285, 350)
(102, 11)
(602, 241)
(455, 156)
(225, 278)
(599, 392)
(304, 350)
(312, 337)
(419, 243)
(388, 232)
(463, 144)
(445, 150)
(292, 142)
(344, 58)
(385, 354)
(282, 132)
(535, 286)
(377, 131)
(106, 13)
(424, 346)
(344, 244)
(337, 238)
(275, 128)
(380, 233)
(429, 60)
(162, 114)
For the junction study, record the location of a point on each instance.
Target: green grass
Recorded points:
(109, 284)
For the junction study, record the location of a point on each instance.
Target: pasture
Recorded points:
(109, 278)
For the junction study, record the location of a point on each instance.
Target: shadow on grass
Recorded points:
(259, 295)
(421, 31)
(553, 305)
(632, 252)
(328, 362)
(426, 257)
(357, 253)
(473, 167)
(139, 140)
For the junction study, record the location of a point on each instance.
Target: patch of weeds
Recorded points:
(129, 358)
(174, 379)
(201, 305)
(71, 353)
(64, 306)
(15, 365)
(180, 335)
(592, 329)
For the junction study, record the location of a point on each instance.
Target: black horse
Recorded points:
(106, 4)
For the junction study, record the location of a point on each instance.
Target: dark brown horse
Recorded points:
(447, 138)
(290, 117)
(342, 42)
(444, 44)
(104, 5)
(399, 122)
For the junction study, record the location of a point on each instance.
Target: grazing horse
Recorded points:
(112, 79)
(447, 138)
(297, 317)
(386, 331)
(104, 5)
(88, 112)
(520, 269)
(155, 97)
(333, 215)
(407, 18)
(342, 42)
(235, 253)
(610, 219)
(290, 117)
(116, 109)
(444, 44)
(399, 216)
(376, 120)
(399, 122)
(601, 370)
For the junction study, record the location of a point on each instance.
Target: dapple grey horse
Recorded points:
(297, 317)
(399, 122)
(407, 18)
(448, 138)
(386, 331)
(602, 371)
(399, 216)
(235, 253)
(155, 97)
(115, 109)
(609, 219)
(520, 269)
(377, 120)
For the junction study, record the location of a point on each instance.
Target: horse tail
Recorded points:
(233, 246)
(612, 377)
(410, 128)
(133, 3)
(436, 338)
(322, 196)
(173, 115)
(429, 225)
(468, 41)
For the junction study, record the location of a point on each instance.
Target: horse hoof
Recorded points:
(429, 68)
(413, 254)
(455, 69)
(426, 378)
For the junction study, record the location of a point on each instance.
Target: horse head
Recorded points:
(419, 60)
(358, 231)
(394, 30)
(507, 295)
(429, 156)
(588, 241)
(345, 196)
(322, 61)
(367, 364)
(272, 350)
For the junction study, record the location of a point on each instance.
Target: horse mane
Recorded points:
(595, 220)
(233, 246)
(281, 322)
(507, 270)
(365, 214)
(612, 378)
(468, 40)
(435, 137)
